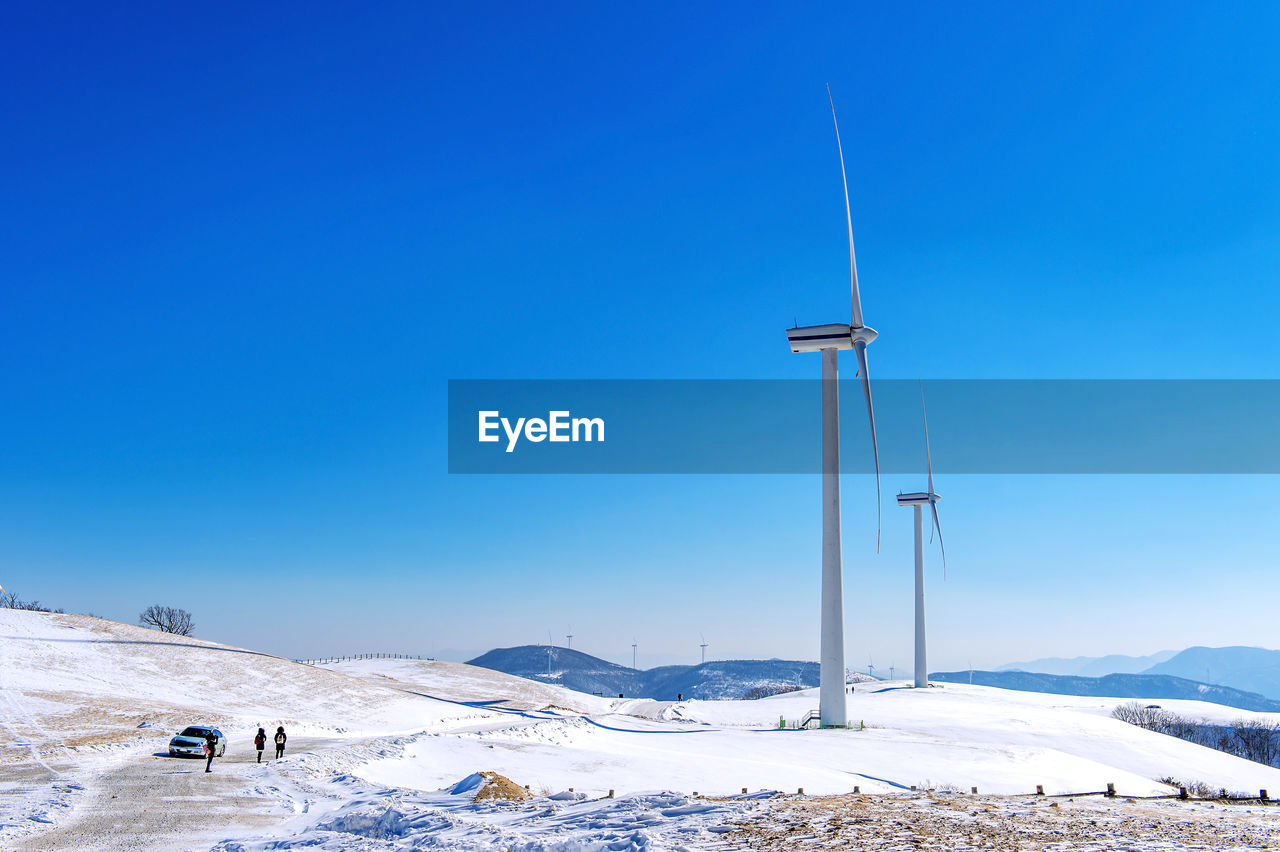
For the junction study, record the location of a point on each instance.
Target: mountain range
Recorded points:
(1246, 669)
(1090, 666)
(718, 679)
(1248, 678)
(1150, 687)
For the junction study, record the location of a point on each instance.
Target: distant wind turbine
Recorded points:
(633, 654)
(916, 500)
(569, 638)
(829, 339)
(703, 646)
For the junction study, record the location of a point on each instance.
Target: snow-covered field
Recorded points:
(384, 755)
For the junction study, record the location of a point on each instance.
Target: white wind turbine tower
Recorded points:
(916, 500)
(829, 339)
(633, 653)
(703, 646)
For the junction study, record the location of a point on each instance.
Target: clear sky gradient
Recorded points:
(245, 246)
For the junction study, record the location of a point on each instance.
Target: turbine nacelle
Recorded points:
(836, 335)
(918, 498)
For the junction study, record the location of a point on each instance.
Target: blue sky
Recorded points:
(244, 249)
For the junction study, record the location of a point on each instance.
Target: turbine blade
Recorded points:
(860, 349)
(933, 505)
(855, 300)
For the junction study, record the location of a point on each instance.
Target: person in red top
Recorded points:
(260, 742)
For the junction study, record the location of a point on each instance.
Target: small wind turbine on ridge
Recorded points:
(916, 500)
(703, 646)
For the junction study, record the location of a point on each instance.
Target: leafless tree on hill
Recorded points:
(168, 619)
(10, 600)
(1256, 740)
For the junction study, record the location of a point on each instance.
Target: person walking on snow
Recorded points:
(210, 746)
(260, 742)
(280, 740)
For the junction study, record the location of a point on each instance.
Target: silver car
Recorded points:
(190, 742)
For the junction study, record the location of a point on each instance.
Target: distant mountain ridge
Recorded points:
(1238, 667)
(1151, 687)
(1091, 666)
(712, 680)
(1246, 668)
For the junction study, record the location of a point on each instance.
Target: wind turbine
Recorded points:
(703, 646)
(569, 638)
(633, 653)
(830, 339)
(916, 500)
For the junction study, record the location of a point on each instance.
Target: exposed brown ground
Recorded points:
(502, 788)
(997, 824)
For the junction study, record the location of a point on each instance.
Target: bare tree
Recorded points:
(1147, 716)
(10, 600)
(168, 619)
(1255, 740)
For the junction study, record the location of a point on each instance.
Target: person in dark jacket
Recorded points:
(210, 747)
(280, 740)
(260, 742)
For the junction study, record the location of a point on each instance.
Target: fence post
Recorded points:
(1182, 792)
(1111, 789)
(1262, 794)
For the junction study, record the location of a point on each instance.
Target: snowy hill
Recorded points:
(463, 682)
(718, 679)
(69, 681)
(1146, 686)
(382, 750)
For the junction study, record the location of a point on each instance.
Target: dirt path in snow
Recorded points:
(152, 803)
